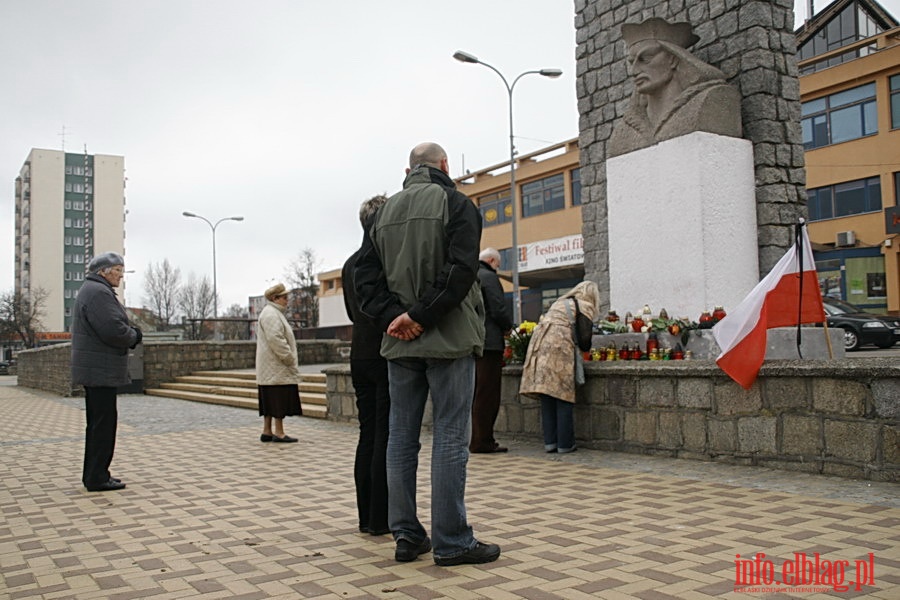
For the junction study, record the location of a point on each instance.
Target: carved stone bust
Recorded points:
(675, 93)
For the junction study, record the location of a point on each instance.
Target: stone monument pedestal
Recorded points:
(682, 225)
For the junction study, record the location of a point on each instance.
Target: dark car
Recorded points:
(4, 368)
(861, 328)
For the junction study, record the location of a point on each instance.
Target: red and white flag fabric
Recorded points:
(789, 295)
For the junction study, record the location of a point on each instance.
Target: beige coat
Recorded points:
(276, 348)
(550, 361)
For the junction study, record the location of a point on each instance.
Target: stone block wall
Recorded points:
(811, 416)
(752, 42)
(49, 368)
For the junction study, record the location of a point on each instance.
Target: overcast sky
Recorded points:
(286, 112)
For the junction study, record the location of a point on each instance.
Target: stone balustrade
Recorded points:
(838, 418)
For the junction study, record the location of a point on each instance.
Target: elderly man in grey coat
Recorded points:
(101, 338)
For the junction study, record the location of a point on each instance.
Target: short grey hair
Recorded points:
(489, 253)
(368, 208)
(427, 153)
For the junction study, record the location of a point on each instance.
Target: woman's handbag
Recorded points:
(577, 340)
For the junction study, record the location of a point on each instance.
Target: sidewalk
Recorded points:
(210, 512)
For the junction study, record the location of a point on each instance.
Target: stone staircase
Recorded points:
(238, 388)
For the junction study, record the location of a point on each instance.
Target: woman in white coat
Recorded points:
(277, 370)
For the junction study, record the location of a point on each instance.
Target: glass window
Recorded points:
(841, 117)
(576, 186)
(895, 103)
(506, 258)
(68, 187)
(843, 199)
(67, 222)
(79, 276)
(67, 258)
(543, 196)
(68, 169)
(496, 209)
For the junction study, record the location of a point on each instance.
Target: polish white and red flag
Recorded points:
(789, 295)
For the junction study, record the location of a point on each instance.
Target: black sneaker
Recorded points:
(479, 554)
(409, 551)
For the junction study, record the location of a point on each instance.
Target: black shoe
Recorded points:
(481, 553)
(109, 486)
(265, 437)
(284, 440)
(408, 551)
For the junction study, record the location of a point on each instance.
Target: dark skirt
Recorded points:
(279, 401)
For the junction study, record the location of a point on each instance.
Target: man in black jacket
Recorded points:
(488, 368)
(101, 337)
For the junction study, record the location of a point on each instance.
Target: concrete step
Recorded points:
(231, 388)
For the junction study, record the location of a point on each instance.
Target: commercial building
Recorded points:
(68, 206)
(850, 90)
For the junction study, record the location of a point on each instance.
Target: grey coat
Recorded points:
(101, 336)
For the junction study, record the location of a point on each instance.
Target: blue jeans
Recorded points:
(452, 384)
(558, 420)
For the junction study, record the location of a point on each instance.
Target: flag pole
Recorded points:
(799, 247)
(828, 339)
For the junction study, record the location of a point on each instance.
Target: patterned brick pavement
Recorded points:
(209, 512)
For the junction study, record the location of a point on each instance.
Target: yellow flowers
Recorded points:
(517, 342)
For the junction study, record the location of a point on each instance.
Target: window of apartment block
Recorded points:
(844, 199)
(69, 186)
(496, 209)
(840, 117)
(895, 101)
(67, 222)
(67, 258)
(67, 240)
(543, 196)
(575, 175)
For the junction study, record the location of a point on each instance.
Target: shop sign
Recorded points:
(547, 254)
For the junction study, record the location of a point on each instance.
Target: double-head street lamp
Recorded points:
(213, 227)
(553, 73)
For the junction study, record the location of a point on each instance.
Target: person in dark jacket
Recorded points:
(101, 338)
(369, 372)
(489, 368)
(416, 276)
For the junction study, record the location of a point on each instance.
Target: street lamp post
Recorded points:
(213, 228)
(552, 73)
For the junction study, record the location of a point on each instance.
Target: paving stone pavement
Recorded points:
(210, 512)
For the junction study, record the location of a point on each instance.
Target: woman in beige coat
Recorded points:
(549, 370)
(277, 371)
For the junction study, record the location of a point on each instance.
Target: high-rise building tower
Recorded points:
(69, 207)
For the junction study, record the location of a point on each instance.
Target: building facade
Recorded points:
(850, 91)
(69, 207)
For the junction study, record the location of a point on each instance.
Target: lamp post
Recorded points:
(552, 73)
(213, 228)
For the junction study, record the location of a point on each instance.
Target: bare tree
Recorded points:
(237, 329)
(21, 314)
(301, 276)
(161, 286)
(195, 300)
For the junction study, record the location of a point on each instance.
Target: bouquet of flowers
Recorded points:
(517, 342)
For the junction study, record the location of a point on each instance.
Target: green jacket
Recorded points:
(421, 257)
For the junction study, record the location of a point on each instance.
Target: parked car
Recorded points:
(4, 368)
(861, 328)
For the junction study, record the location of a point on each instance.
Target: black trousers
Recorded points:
(100, 434)
(373, 403)
(486, 404)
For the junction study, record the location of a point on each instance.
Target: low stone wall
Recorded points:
(48, 368)
(838, 418)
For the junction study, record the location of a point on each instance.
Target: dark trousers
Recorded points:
(100, 434)
(486, 405)
(373, 403)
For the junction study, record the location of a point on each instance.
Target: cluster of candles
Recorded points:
(634, 352)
